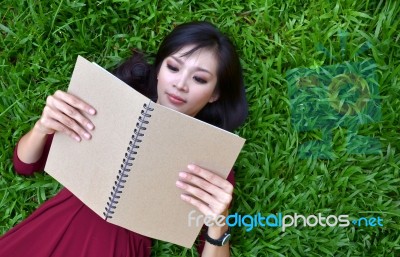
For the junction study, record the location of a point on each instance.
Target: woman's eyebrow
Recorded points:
(197, 68)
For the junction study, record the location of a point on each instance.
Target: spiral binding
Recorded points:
(127, 161)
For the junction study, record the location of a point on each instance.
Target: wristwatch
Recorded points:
(220, 241)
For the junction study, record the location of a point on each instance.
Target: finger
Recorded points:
(67, 122)
(57, 126)
(71, 112)
(210, 188)
(200, 194)
(211, 177)
(205, 209)
(75, 102)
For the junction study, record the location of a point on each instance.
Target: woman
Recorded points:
(196, 72)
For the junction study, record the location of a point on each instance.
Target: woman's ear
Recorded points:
(214, 97)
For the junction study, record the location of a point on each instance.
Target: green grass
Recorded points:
(39, 43)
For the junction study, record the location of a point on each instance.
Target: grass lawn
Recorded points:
(290, 51)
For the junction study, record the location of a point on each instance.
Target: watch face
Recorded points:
(226, 239)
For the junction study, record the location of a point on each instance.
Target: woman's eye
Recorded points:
(172, 68)
(200, 80)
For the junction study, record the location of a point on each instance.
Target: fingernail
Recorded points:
(179, 184)
(92, 111)
(86, 135)
(90, 126)
(77, 139)
(182, 174)
(190, 167)
(184, 197)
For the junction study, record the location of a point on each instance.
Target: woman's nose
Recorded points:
(181, 84)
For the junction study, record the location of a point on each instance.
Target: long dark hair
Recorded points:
(230, 110)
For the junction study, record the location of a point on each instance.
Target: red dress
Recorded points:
(64, 227)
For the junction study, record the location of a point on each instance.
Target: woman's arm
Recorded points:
(212, 250)
(62, 113)
(213, 198)
(30, 146)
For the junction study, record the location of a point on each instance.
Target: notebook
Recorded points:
(127, 172)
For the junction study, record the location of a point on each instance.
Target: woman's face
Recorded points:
(187, 83)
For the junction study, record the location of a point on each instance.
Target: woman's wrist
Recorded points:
(38, 131)
(216, 230)
(30, 146)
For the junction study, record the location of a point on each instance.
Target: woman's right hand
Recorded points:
(63, 113)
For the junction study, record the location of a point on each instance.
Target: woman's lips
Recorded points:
(175, 99)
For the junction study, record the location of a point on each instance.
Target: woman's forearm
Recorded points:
(31, 145)
(63, 113)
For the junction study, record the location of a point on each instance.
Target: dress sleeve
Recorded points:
(201, 242)
(27, 169)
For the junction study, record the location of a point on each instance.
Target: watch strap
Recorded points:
(220, 241)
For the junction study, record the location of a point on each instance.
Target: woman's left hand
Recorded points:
(212, 194)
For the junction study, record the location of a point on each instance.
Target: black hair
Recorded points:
(230, 109)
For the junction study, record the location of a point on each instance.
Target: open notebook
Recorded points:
(127, 172)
